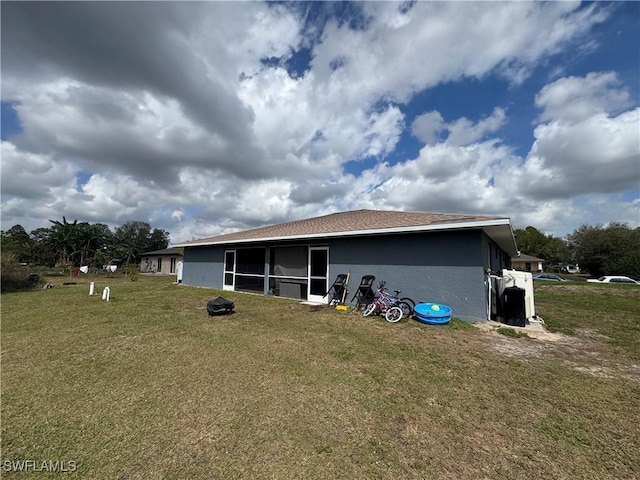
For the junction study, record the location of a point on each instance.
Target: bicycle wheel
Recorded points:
(393, 315)
(407, 306)
(371, 309)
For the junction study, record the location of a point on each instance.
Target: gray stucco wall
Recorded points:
(436, 267)
(495, 258)
(443, 267)
(203, 266)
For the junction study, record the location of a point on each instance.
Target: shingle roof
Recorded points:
(165, 251)
(350, 223)
(523, 257)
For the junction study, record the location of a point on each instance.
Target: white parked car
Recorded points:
(614, 279)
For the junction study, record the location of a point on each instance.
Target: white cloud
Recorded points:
(599, 154)
(33, 176)
(578, 98)
(430, 128)
(464, 132)
(448, 178)
(586, 145)
(178, 120)
(399, 54)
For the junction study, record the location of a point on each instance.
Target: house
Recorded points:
(527, 263)
(161, 261)
(570, 268)
(430, 257)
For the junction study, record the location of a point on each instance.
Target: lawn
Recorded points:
(148, 386)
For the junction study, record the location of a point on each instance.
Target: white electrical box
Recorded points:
(524, 280)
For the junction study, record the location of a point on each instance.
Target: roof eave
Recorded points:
(503, 236)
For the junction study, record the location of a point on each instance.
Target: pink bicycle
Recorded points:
(392, 307)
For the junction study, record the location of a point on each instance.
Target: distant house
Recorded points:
(430, 257)
(527, 263)
(161, 261)
(570, 268)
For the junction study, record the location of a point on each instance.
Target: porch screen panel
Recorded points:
(229, 261)
(249, 283)
(250, 261)
(319, 263)
(289, 262)
(229, 267)
(249, 274)
(318, 286)
(288, 271)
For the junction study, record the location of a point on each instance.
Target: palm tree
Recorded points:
(64, 238)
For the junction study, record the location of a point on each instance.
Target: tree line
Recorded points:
(73, 244)
(598, 250)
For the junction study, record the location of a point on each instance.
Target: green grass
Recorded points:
(609, 311)
(510, 332)
(148, 386)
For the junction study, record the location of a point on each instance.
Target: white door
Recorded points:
(318, 274)
(229, 270)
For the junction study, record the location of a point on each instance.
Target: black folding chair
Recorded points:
(337, 290)
(364, 294)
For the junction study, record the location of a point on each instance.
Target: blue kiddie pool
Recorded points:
(433, 313)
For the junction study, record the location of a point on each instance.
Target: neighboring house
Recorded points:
(161, 261)
(527, 263)
(430, 257)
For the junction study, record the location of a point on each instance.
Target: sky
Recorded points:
(204, 118)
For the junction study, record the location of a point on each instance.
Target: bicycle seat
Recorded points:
(397, 292)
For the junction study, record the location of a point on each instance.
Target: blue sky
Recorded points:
(205, 118)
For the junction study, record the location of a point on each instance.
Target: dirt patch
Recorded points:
(539, 334)
(586, 353)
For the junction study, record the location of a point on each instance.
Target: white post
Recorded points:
(92, 287)
(180, 266)
(105, 293)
